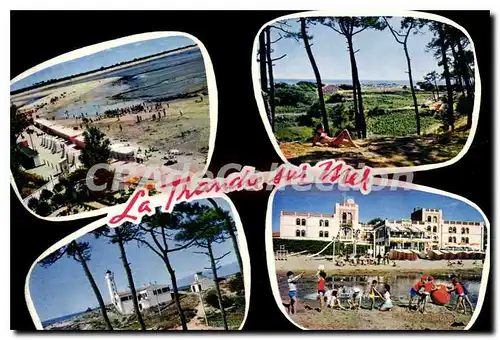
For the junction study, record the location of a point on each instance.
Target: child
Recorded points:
(333, 298)
(373, 291)
(387, 305)
(429, 287)
(354, 300)
(320, 138)
(462, 293)
(415, 291)
(321, 289)
(292, 290)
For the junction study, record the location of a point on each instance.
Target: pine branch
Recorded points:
(275, 59)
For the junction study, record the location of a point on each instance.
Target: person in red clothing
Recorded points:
(459, 288)
(321, 289)
(429, 287)
(416, 291)
(320, 138)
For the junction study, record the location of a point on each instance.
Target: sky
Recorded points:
(385, 204)
(63, 288)
(104, 58)
(380, 57)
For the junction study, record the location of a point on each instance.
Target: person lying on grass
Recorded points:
(320, 138)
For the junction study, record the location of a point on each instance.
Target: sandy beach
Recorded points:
(310, 266)
(435, 318)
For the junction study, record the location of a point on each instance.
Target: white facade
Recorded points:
(148, 296)
(426, 229)
(321, 227)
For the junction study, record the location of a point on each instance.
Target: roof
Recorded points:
(139, 289)
(276, 234)
(330, 89)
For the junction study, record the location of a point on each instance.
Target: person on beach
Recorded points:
(354, 300)
(379, 257)
(333, 300)
(462, 294)
(320, 138)
(292, 290)
(321, 289)
(373, 293)
(387, 305)
(416, 291)
(429, 288)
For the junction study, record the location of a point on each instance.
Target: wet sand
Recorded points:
(399, 318)
(188, 132)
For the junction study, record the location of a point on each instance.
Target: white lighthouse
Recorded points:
(110, 280)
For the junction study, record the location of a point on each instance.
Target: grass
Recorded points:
(294, 133)
(400, 123)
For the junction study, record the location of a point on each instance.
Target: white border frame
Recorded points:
(423, 15)
(271, 262)
(88, 50)
(242, 243)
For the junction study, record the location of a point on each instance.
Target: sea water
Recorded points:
(164, 77)
(400, 286)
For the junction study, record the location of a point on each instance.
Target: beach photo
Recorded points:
(177, 271)
(390, 260)
(381, 91)
(140, 103)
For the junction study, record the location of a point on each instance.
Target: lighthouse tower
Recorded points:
(110, 280)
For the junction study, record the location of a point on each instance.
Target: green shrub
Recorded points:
(294, 134)
(335, 98)
(401, 123)
(212, 300)
(304, 120)
(236, 284)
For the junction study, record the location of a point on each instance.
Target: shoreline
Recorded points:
(76, 77)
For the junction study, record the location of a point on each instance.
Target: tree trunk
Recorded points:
(458, 69)
(444, 47)
(217, 287)
(94, 287)
(437, 88)
(357, 93)
(173, 278)
(263, 75)
(410, 78)
(272, 102)
(231, 234)
(468, 84)
(130, 280)
(319, 84)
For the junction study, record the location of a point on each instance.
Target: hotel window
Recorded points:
(165, 289)
(344, 217)
(467, 240)
(462, 240)
(326, 223)
(303, 221)
(454, 239)
(450, 239)
(297, 221)
(429, 228)
(326, 233)
(463, 230)
(454, 230)
(435, 219)
(429, 219)
(303, 233)
(320, 223)
(321, 233)
(466, 230)
(297, 233)
(434, 229)
(450, 230)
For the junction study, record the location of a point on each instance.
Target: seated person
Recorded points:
(320, 138)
